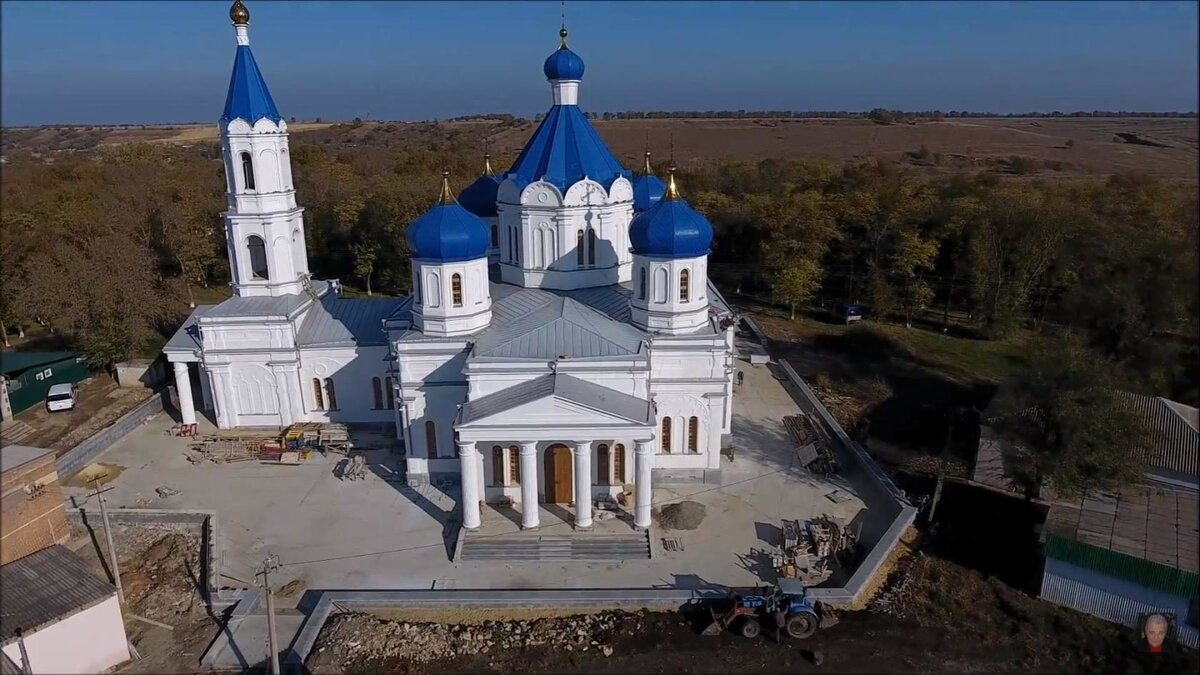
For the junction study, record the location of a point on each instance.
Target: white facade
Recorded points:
(557, 376)
(89, 641)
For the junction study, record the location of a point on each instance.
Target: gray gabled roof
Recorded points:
(46, 586)
(339, 322)
(553, 327)
(265, 305)
(1173, 442)
(566, 387)
(187, 338)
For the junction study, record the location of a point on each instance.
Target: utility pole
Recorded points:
(112, 550)
(271, 564)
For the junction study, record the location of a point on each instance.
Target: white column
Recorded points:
(529, 481)
(470, 484)
(583, 485)
(223, 408)
(643, 457)
(183, 387)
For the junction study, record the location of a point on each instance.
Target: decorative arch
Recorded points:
(685, 290)
(434, 293)
(579, 248)
(693, 437)
(665, 440)
(603, 465)
(660, 285)
(318, 396)
(258, 257)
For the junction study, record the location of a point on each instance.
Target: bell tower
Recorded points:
(263, 225)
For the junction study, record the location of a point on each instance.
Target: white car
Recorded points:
(61, 397)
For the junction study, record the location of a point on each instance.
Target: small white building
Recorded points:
(58, 617)
(562, 337)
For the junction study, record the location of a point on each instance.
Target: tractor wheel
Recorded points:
(800, 626)
(750, 628)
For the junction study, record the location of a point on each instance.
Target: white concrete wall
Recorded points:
(661, 307)
(91, 641)
(351, 369)
(434, 311)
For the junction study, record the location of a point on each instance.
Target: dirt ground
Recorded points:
(160, 575)
(945, 618)
(100, 403)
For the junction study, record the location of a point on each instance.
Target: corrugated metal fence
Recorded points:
(1100, 603)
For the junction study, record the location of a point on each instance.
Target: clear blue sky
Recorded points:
(143, 62)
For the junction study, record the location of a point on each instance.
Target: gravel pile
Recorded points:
(356, 639)
(682, 516)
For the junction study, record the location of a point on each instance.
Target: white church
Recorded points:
(562, 338)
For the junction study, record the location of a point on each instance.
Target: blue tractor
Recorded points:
(802, 617)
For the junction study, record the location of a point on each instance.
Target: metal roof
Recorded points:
(1173, 441)
(337, 321)
(248, 98)
(447, 232)
(671, 228)
(45, 586)
(15, 362)
(267, 305)
(565, 149)
(13, 456)
(557, 327)
(565, 387)
(187, 338)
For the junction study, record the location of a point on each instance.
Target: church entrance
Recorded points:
(558, 475)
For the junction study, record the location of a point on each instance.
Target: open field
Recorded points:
(1161, 147)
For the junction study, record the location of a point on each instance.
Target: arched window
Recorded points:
(579, 248)
(684, 286)
(433, 293)
(330, 394)
(318, 397)
(377, 389)
(539, 249)
(642, 284)
(456, 289)
(495, 237)
(258, 257)
(619, 464)
(694, 434)
(497, 465)
(666, 434)
(247, 171)
(602, 468)
(514, 465)
(591, 246)
(390, 393)
(430, 440)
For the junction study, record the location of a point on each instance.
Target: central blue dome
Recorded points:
(480, 197)
(447, 232)
(563, 64)
(671, 229)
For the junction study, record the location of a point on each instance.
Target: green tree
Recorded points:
(1066, 416)
(796, 283)
(365, 256)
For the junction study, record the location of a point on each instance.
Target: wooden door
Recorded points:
(558, 475)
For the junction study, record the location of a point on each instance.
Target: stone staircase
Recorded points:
(574, 547)
(14, 431)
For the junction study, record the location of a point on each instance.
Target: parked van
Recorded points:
(849, 313)
(61, 397)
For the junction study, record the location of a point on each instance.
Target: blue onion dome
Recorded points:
(480, 197)
(671, 228)
(563, 64)
(647, 188)
(447, 232)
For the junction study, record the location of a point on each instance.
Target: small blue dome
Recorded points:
(447, 232)
(480, 197)
(563, 64)
(671, 229)
(647, 190)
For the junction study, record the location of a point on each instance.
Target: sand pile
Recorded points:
(682, 516)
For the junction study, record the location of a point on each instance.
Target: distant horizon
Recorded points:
(140, 63)
(749, 114)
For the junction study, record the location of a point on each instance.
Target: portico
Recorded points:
(556, 440)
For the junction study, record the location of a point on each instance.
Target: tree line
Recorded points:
(109, 247)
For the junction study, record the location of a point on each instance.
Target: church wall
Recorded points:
(351, 369)
(625, 376)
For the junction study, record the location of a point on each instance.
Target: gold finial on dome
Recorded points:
(239, 14)
(447, 197)
(487, 165)
(672, 189)
(647, 168)
(562, 34)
